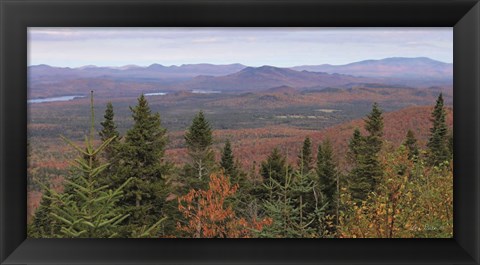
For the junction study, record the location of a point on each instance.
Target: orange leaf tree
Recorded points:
(208, 214)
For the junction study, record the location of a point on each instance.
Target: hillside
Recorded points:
(255, 144)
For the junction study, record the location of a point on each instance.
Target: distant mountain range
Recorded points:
(420, 68)
(46, 80)
(267, 77)
(154, 71)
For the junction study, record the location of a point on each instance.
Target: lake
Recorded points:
(155, 94)
(53, 99)
(200, 91)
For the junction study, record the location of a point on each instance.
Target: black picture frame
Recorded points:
(17, 15)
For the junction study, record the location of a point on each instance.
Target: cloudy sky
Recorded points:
(283, 47)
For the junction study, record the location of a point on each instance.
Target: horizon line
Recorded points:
(225, 64)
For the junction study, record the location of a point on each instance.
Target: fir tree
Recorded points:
(286, 207)
(364, 150)
(437, 145)
(84, 209)
(141, 159)
(328, 177)
(355, 145)
(412, 146)
(42, 225)
(305, 157)
(227, 162)
(374, 126)
(274, 167)
(109, 130)
(199, 140)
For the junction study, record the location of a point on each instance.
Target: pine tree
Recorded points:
(412, 146)
(199, 140)
(437, 145)
(141, 159)
(305, 157)
(328, 177)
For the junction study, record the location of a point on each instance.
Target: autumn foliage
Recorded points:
(208, 214)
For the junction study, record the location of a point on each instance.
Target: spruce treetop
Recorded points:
(199, 134)
(374, 121)
(227, 162)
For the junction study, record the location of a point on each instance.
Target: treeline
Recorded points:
(126, 187)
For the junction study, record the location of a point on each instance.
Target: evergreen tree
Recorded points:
(274, 167)
(286, 207)
(412, 146)
(305, 157)
(42, 225)
(109, 130)
(355, 146)
(364, 150)
(328, 177)
(199, 140)
(84, 209)
(227, 162)
(374, 126)
(438, 150)
(141, 158)
(110, 154)
(243, 198)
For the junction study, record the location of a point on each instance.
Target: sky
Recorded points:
(281, 47)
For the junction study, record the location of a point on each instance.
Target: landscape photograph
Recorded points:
(240, 132)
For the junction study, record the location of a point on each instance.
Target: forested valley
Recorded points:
(129, 184)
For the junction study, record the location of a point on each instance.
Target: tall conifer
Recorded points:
(305, 157)
(437, 145)
(142, 160)
(327, 176)
(364, 150)
(199, 140)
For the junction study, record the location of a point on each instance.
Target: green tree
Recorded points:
(109, 130)
(374, 127)
(438, 150)
(110, 154)
(199, 140)
(141, 158)
(42, 224)
(275, 166)
(227, 162)
(412, 146)
(364, 150)
(84, 209)
(355, 146)
(286, 207)
(328, 177)
(305, 159)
